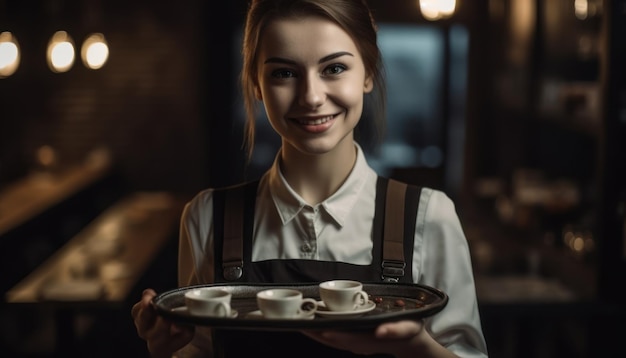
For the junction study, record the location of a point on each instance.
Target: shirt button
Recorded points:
(306, 247)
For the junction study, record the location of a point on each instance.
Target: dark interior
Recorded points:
(516, 109)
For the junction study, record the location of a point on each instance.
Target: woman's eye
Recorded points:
(283, 73)
(334, 69)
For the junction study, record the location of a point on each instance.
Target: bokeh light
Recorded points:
(61, 54)
(95, 51)
(437, 9)
(9, 54)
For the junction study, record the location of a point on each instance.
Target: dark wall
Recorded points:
(146, 105)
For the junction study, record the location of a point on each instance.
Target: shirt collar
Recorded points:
(288, 203)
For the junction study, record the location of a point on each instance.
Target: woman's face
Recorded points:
(311, 79)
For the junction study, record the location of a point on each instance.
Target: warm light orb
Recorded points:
(9, 54)
(61, 53)
(95, 51)
(437, 9)
(581, 9)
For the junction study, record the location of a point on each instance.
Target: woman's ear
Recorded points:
(257, 93)
(369, 85)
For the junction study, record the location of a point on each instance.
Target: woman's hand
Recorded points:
(163, 337)
(403, 338)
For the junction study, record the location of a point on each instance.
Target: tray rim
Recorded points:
(362, 322)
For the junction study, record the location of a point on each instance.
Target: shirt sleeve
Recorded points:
(195, 262)
(195, 249)
(442, 260)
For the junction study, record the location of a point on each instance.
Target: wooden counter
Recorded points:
(25, 199)
(101, 264)
(96, 272)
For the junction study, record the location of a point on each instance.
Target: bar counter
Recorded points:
(37, 192)
(101, 264)
(97, 272)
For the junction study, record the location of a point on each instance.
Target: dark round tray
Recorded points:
(394, 302)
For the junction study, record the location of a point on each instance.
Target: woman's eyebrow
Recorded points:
(279, 60)
(335, 55)
(332, 56)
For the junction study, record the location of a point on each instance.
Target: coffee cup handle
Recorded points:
(223, 309)
(306, 302)
(360, 299)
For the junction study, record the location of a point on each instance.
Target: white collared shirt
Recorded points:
(340, 229)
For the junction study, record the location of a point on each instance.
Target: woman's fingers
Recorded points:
(388, 338)
(162, 337)
(171, 339)
(144, 314)
(147, 295)
(145, 321)
(399, 330)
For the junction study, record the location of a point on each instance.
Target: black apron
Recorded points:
(233, 227)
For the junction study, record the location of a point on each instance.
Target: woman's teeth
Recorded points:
(317, 121)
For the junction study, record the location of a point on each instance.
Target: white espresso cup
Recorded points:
(285, 303)
(343, 295)
(208, 301)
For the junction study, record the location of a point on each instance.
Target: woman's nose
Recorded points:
(312, 91)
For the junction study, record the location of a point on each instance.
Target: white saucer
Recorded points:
(259, 315)
(183, 309)
(322, 310)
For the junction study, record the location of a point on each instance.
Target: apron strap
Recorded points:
(237, 201)
(401, 205)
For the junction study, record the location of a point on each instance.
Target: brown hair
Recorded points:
(353, 16)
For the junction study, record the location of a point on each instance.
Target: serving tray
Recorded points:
(394, 302)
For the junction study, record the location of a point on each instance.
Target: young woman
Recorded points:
(313, 63)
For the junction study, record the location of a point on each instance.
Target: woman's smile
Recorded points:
(315, 124)
(312, 80)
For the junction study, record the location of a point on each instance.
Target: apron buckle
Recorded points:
(392, 270)
(233, 271)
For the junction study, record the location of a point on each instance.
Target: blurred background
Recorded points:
(114, 113)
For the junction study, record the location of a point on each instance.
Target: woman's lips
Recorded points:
(314, 121)
(316, 124)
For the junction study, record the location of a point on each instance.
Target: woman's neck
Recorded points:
(316, 177)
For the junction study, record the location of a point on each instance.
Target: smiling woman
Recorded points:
(318, 213)
(312, 80)
(424, 132)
